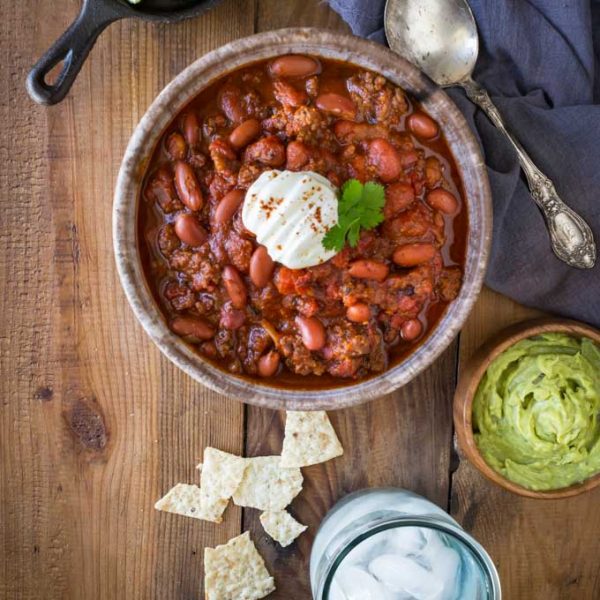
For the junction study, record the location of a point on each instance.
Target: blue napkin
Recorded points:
(540, 62)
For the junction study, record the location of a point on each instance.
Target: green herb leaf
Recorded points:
(334, 238)
(359, 207)
(352, 192)
(353, 233)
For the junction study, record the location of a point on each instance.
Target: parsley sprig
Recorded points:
(359, 207)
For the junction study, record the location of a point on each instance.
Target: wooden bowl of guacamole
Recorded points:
(527, 409)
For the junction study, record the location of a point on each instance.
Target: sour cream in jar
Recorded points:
(390, 544)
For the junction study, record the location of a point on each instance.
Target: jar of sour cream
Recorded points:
(391, 544)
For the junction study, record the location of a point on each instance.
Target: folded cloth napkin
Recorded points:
(540, 61)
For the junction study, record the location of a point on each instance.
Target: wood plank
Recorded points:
(312, 13)
(95, 424)
(544, 549)
(383, 440)
(402, 440)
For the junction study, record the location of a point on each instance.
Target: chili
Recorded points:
(349, 318)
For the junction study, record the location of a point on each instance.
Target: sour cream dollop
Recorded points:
(290, 212)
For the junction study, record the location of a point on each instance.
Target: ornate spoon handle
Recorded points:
(571, 237)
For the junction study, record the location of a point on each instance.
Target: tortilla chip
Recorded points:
(185, 499)
(220, 477)
(309, 439)
(281, 526)
(266, 485)
(236, 571)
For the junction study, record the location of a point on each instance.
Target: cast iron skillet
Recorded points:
(75, 43)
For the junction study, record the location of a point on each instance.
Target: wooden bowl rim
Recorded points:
(327, 44)
(469, 382)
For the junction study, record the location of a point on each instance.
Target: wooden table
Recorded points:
(96, 424)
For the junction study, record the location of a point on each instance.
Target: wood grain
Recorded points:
(544, 549)
(383, 440)
(402, 440)
(472, 372)
(95, 424)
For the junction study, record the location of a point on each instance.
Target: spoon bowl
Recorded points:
(440, 37)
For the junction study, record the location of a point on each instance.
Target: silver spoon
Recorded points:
(440, 37)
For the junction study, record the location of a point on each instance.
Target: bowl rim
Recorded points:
(327, 44)
(469, 382)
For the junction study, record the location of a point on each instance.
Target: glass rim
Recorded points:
(478, 552)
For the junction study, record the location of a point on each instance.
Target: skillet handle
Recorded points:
(72, 49)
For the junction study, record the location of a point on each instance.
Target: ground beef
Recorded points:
(449, 283)
(370, 142)
(377, 100)
(180, 296)
(298, 358)
(239, 251)
(168, 242)
(305, 124)
(248, 173)
(161, 189)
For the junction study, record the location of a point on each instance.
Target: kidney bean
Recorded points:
(195, 327)
(268, 364)
(410, 255)
(268, 151)
(369, 269)
(294, 65)
(312, 332)
(244, 133)
(348, 132)
(422, 125)
(188, 188)
(398, 196)
(358, 313)
(230, 102)
(191, 128)
(232, 318)
(261, 267)
(385, 159)
(175, 146)
(443, 200)
(189, 231)
(235, 286)
(228, 206)
(297, 155)
(337, 104)
(411, 329)
(345, 131)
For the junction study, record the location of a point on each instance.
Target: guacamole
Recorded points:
(536, 412)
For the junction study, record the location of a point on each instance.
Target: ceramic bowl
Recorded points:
(326, 44)
(469, 382)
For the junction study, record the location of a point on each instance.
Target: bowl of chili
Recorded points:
(307, 105)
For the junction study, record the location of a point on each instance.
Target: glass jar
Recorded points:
(396, 539)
